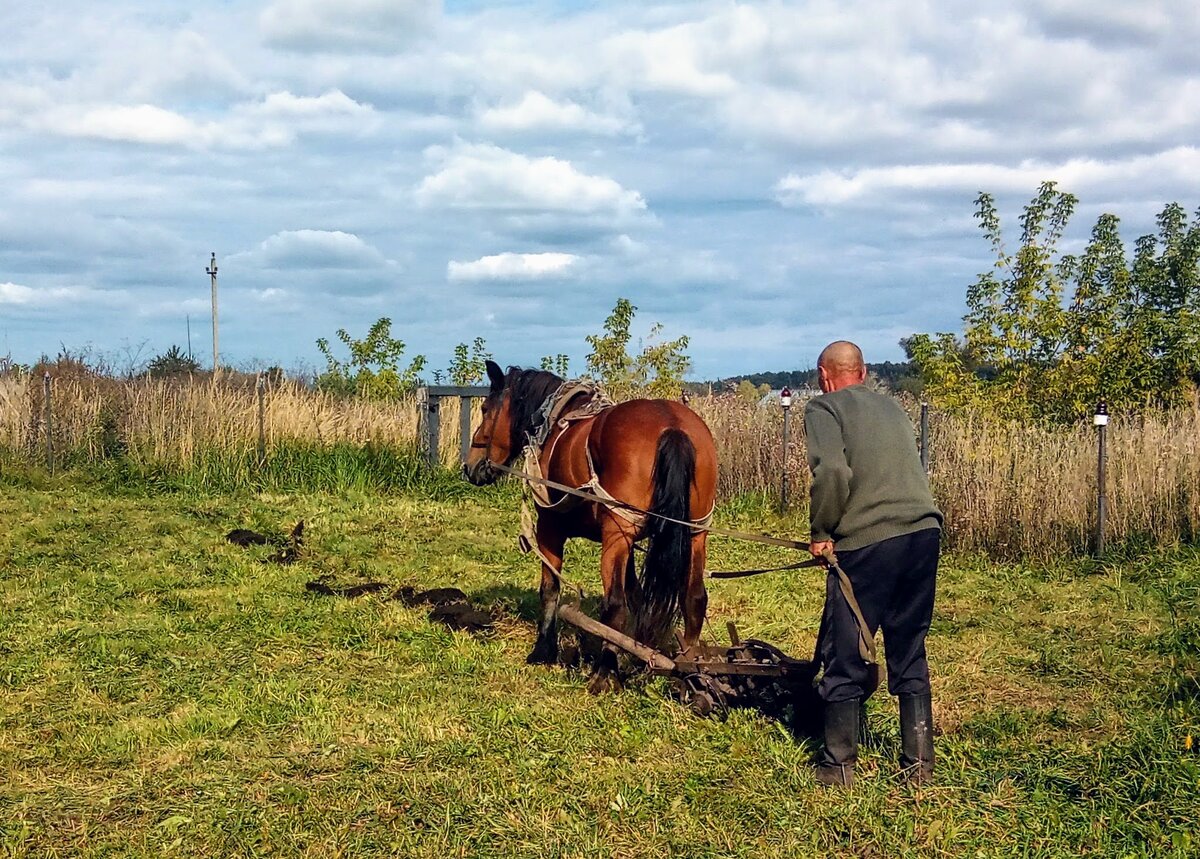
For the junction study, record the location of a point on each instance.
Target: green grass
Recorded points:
(164, 692)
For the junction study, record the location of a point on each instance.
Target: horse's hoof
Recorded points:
(542, 656)
(603, 683)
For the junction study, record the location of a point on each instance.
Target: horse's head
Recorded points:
(509, 413)
(493, 438)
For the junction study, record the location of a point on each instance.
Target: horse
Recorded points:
(652, 455)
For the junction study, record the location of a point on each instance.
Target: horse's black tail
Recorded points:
(669, 549)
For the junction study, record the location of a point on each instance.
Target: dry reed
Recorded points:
(1006, 489)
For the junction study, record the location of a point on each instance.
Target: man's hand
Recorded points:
(820, 548)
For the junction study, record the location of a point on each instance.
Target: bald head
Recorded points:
(841, 365)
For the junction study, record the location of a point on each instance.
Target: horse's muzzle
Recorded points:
(480, 473)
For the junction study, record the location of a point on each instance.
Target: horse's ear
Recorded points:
(495, 376)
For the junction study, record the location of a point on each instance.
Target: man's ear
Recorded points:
(824, 379)
(495, 376)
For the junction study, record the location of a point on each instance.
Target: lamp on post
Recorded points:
(785, 400)
(211, 271)
(1100, 421)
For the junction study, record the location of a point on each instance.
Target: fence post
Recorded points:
(925, 437)
(430, 425)
(1100, 420)
(785, 399)
(464, 428)
(262, 420)
(423, 420)
(49, 426)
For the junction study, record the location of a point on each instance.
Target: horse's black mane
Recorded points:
(527, 393)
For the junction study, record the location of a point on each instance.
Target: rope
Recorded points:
(551, 415)
(866, 641)
(697, 526)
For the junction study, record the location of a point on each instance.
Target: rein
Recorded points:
(696, 527)
(866, 641)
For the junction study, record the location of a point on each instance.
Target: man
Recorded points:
(871, 503)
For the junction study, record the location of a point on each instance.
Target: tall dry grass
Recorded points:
(749, 445)
(1013, 489)
(1007, 489)
(173, 422)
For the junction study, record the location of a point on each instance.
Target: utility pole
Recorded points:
(212, 273)
(188, 317)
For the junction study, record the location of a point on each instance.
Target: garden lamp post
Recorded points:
(785, 400)
(1100, 421)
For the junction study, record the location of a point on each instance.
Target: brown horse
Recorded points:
(655, 455)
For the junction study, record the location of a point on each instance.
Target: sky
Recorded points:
(762, 177)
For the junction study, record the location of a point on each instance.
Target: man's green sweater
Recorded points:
(868, 484)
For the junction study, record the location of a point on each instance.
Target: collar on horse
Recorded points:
(554, 410)
(557, 413)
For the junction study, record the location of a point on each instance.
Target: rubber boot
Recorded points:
(836, 766)
(916, 737)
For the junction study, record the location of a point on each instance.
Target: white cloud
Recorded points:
(312, 249)
(676, 59)
(483, 176)
(513, 266)
(828, 187)
(281, 117)
(538, 112)
(623, 245)
(76, 190)
(17, 99)
(274, 121)
(136, 137)
(346, 25)
(18, 295)
(142, 123)
(332, 103)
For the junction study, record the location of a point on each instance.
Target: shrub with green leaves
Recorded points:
(373, 369)
(656, 371)
(1048, 334)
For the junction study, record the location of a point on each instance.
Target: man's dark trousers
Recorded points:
(893, 582)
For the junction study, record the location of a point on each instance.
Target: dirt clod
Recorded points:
(319, 587)
(434, 596)
(462, 616)
(289, 552)
(246, 537)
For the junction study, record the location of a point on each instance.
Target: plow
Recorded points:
(709, 679)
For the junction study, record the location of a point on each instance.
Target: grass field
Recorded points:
(163, 692)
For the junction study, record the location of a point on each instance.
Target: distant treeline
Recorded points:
(897, 375)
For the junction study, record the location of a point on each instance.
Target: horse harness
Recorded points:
(557, 416)
(536, 490)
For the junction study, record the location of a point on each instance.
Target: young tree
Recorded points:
(609, 361)
(747, 391)
(373, 369)
(656, 371)
(173, 362)
(559, 365)
(1129, 334)
(467, 367)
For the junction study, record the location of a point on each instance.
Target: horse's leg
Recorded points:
(695, 596)
(633, 588)
(550, 544)
(616, 549)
